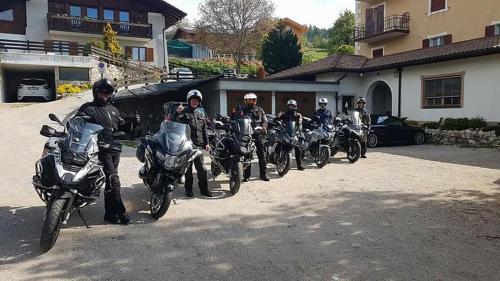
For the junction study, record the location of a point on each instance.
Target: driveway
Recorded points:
(405, 213)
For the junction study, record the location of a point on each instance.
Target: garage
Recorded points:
(12, 77)
(306, 101)
(264, 100)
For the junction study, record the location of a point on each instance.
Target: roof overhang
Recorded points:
(276, 85)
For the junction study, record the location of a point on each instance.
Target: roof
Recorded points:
(353, 63)
(171, 13)
(290, 22)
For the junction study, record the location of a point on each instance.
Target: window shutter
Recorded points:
(73, 48)
(150, 55)
(377, 53)
(48, 46)
(448, 39)
(437, 5)
(128, 52)
(369, 24)
(425, 43)
(489, 31)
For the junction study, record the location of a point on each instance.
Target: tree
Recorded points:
(281, 50)
(344, 49)
(342, 32)
(236, 26)
(110, 41)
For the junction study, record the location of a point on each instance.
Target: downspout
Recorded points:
(337, 94)
(400, 74)
(165, 50)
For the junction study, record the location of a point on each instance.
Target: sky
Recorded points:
(321, 13)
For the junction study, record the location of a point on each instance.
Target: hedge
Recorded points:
(461, 124)
(214, 66)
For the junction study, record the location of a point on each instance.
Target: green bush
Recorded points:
(214, 66)
(411, 122)
(460, 124)
(431, 125)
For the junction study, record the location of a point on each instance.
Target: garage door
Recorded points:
(306, 102)
(264, 100)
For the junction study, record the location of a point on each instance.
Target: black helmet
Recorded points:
(102, 86)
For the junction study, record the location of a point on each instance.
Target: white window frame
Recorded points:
(497, 27)
(378, 48)
(430, 37)
(436, 12)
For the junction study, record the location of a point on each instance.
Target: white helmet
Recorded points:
(361, 100)
(250, 96)
(291, 102)
(323, 102)
(194, 94)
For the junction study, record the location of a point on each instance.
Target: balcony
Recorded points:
(93, 26)
(389, 27)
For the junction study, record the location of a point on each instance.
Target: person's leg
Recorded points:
(201, 171)
(363, 149)
(298, 158)
(247, 173)
(189, 180)
(114, 208)
(262, 158)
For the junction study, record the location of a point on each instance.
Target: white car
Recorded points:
(33, 88)
(181, 73)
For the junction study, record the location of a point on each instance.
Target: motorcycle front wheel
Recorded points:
(52, 224)
(323, 157)
(353, 150)
(283, 163)
(236, 177)
(160, 202)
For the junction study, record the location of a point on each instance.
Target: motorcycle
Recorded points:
(279, 142)
(69, 176)
(316, 142)
(231, 149)
(347, 137)
(166, 157)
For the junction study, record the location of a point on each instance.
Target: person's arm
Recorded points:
(205, 136)
(263, 119)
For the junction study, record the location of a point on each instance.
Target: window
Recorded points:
(439, 92)
(7, 15)
(436, 41)
(75, 11)
(139, 54)
(497, 29)
(437, 6)
(73, 74)
(124, 16)
(92, 13)
(109, 15)
(377, 53)
(392, 121)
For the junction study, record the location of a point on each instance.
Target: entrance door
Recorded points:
(306, 102)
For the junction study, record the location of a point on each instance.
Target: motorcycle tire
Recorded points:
(333, 151)
(52, 224)
(353, 151)
(215, 169)
(323, 157)
(160, 203)
(236, 177)
(285, 157)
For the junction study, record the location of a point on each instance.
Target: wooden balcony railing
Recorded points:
(93, 26)
(397, 23)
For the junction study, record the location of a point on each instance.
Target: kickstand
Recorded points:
(84, 221)
(173, 200)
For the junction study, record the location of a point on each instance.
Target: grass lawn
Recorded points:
(311, 54)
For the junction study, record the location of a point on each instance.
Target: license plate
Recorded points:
(33, 88)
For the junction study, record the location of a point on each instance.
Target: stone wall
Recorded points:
(112, 72)
(474, 138)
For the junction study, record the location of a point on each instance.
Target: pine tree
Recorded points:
(110, 41)
(281, 50)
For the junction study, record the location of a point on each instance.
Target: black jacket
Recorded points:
(292, 116)
(196, 120)
(105, 115)
(256, 113)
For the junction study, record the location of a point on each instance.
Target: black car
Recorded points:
(387, 130)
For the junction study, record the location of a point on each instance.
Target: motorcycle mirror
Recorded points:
(54, 118)
(48, 131)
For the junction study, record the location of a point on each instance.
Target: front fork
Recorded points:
(64, 194)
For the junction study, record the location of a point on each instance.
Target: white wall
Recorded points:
(387, 76)
(2, 86)
(158, 22)
(36, 16)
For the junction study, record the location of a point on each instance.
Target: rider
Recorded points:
(194, 117)
(101, 112)
(322, 115)
(258, 117)
(292, 115)
(366, 120)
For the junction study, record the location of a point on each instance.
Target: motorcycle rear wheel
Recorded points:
(236, 177)
(323, 157)
(283, 163)
(215, 169)
(160, 202)
(353, 151)
(52, 224)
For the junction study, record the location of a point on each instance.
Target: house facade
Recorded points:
(57, 30)
(427, 60)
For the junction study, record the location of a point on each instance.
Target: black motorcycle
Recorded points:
(69, 176)
(279, 142)
(316, 141)
(166, 157)
(347, 137)
(231, 149)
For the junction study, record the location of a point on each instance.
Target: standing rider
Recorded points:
(292, 115)
(366, 120)
(194, 117)
(258, 117)
(101, 112)
(322, 115)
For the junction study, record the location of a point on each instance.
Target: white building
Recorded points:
(46, 38)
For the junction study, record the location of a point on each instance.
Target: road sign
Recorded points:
(101, 67)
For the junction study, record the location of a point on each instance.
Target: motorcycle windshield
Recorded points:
(356, 118)
(291, 128)
(173, 137)
(243, 126)
(80, 134)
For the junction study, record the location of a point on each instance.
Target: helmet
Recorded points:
(361, 100)
(291, 102)
(323, 102)
(194, 94)
(102, 86)
(250, 96)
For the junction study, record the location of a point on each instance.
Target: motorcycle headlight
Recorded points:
(170, 162)
(160, 156)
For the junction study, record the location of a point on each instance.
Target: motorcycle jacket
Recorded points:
(196, 120)
(322, 115)
(365, 116)
(292, 116)
(256, 113)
